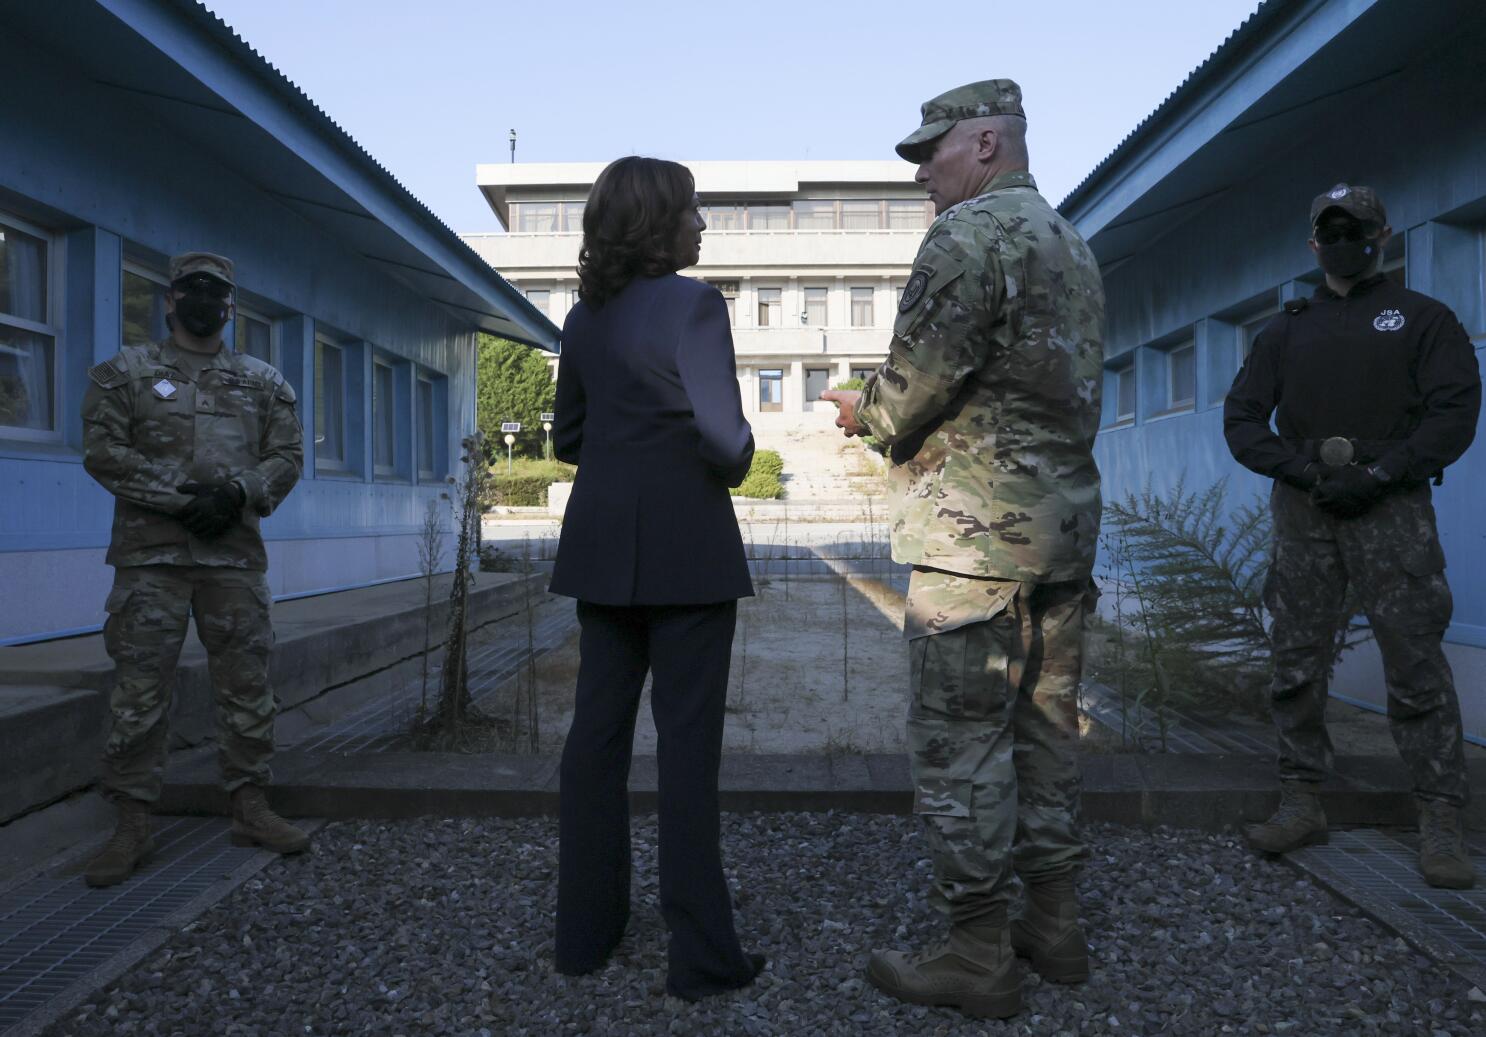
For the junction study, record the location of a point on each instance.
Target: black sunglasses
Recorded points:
(1353, 232)
(203, 284)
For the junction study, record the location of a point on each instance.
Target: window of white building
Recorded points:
(907, 215)
(863, 372)
(817, 381)
(534, 217)
(541, 298)
(815, 306)
(28, 336)
(861, 307)
(861, 214)
(771, 390)
(729, 290)
(723, 217)
(815, 215)
(768, 217)
(770, 307)
(572, 217)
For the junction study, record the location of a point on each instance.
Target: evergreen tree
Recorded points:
(513, 384)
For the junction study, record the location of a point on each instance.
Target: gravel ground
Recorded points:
(444, 927)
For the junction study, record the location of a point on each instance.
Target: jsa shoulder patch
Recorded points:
(913, 291)
(1388, 320)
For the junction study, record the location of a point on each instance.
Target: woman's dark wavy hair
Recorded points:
(630, 225)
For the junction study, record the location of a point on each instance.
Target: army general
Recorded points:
(196, 443)
(989, 402)
(1374, 390)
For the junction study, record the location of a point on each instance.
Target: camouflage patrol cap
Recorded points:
(188, 263)
(971, 101)
(1360, 203)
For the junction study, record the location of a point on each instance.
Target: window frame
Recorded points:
(336, 465)
(421, 377)
(729, 292)
(825, 302)
(775, 375)
(53, 328)
(851, 299)
(130, 266)
(390, 469)
(1172, 404)
(1118, 373)
(248, 313)
(775, 304)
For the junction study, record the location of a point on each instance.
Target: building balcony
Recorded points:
(724, 253)
(763, 343)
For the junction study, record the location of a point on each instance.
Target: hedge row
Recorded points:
(762, 480)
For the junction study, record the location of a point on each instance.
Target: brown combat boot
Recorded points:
(1443, 859)
(130, 846)
(1049, 934)
(255, 824)
(973, 970)
(1298, 822)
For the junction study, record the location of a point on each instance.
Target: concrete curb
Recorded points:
(1211, 793)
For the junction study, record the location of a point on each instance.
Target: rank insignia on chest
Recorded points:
(164, 389)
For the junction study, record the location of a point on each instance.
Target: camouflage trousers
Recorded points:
(1391, 561)
(991, 728)
(148, 610)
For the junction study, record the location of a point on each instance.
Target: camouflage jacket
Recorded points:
(989, 397)
(150, 425)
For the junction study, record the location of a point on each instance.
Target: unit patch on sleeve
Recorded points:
(913, 291)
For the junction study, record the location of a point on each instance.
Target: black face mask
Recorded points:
(1347, 259)
(202, 306)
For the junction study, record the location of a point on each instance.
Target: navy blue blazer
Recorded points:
(649, 410)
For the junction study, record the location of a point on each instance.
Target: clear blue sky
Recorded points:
(432, 88)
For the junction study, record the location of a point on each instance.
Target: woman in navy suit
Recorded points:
(648, 408)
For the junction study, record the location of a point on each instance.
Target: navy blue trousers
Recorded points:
(687, 648)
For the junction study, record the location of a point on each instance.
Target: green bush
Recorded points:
(762, 480)
(552, 471)
(516, 491)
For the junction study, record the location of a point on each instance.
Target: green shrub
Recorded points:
(552, 471)
(762, 480)
(516, 491)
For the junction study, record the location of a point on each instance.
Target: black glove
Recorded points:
(1347, 491)
(1304, 475)
(215, 510)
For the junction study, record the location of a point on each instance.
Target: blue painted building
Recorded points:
(1199, 220)
(135, 129)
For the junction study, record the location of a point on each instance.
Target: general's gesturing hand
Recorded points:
(846, 401)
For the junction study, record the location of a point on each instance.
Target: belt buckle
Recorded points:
(1338, 450)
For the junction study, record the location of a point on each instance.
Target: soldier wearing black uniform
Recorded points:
(1375, 390)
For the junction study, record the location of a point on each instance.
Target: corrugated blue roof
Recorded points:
(1264, 14)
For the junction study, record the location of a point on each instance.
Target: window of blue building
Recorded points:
(143, 306)
(423, 403)
(28, 336)
(253, 335)
(330, 405)
(1181, 377)
(384, 420)
(1119, 392)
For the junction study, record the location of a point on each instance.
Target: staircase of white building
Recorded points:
(820, 464)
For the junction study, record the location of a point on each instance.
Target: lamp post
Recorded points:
(547, 419)
(513, 145)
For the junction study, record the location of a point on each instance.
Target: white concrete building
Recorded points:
(811, 256)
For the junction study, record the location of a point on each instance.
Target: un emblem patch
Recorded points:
(1388, 320)
(913, 291)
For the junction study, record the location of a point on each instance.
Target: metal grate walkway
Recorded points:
(381, 722)
(54, 930)
(1380, 874)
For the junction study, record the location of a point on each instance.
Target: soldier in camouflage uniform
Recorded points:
(989, 402)
(196, 443)
(1374, 389)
